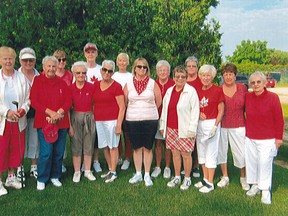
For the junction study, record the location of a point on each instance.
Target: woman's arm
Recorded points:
(158, 97)
(121, 105)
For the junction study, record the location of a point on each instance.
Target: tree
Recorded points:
(154, 29)
(255, 51)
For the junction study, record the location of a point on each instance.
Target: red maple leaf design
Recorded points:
(93, 79)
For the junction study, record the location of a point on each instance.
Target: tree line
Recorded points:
(154, 29)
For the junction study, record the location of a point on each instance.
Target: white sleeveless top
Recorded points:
(141, 107)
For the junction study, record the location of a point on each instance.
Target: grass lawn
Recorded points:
(122, 198)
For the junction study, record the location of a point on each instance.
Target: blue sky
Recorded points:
(264, 20)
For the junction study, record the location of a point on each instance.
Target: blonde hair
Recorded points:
(124, 55)
(204, 69)
(59, 53)
(136, 63)
(4, 50)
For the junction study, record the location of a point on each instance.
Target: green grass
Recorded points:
(122, 198)
(285, 111)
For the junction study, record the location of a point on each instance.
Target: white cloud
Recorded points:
(252, 19)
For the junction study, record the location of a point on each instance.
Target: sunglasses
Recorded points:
(84, 73)
(62, 60)
(28, 60)
(141, 66)
(105, 70)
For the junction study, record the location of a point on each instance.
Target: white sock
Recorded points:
(146, 174)
(138, 173)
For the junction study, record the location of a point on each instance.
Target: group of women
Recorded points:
(185, 112)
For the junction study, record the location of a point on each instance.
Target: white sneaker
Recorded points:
(76, 177)
(244, 184)
(13, 182)
(223, 182)
(167, 173)
(185, 184)
(120, 161)
(135, 179)
(105, 175)
(34, 173)
(56, 182)
(125, 165)
(200, 184)
(206, 188)
(89, 175)
(110, 178)
(253, 190)
(156, 172)
(266, 197)
(18, 174)
(40, 185)
(175, 181)
(63, 168)
(148, 181)
(3, 191)
(97, 167)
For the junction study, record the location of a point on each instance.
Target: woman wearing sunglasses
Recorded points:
(82, 124)
(143, 97)
(66, 76)
(109, 109)
(264, 134)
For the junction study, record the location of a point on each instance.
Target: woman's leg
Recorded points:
(187, 162)
(148, 157)
(114, 156)
(176, 161)
(138, 158)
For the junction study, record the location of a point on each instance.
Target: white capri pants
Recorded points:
(259, 155)
(236, 139)
(106, 134)
(207, 148)
(32, 143)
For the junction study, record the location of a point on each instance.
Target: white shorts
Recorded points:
(106, 134)
(32, 143)
(259, 155)
(236, 139)
(207, 148)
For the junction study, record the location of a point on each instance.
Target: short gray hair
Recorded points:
(258, 74)
(79, 63)
(163, 63)
(110, 63)
(47, 58)
(207, 69)
(191, 58)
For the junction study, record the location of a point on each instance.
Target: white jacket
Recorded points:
(23, 99)
(187, 109)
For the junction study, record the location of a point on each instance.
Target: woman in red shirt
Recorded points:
(211, 99)
(232, 126)
(82, 128)
(51, 98)
(109, 109)
(264, 134)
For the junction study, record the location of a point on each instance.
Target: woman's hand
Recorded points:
(202, 116)
(118, 130)
(14, 116)
(278, 143)
(71, 131)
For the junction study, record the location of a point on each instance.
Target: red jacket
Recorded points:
(52, 93)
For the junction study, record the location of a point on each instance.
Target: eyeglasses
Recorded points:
(142, 66)
(191, 66)
(105, 70)
(62, 60)
(83, 73)
(255, 82)
(178, 77)
(28, 60)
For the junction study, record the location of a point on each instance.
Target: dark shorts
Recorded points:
(142, 133)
